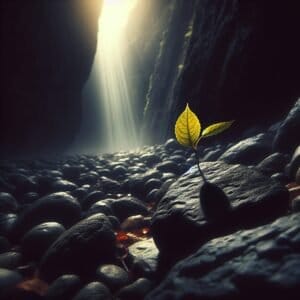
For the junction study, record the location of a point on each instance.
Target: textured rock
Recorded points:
(288, 135)
(274, 163)
(80, 249)
(259, 263)
(245, 71)
(112, 276)
(59, 207)
(249, 151)
(147, 253)
(178, 225)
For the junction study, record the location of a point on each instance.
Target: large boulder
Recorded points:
(261, 263)
(179, 224)
(80, 249)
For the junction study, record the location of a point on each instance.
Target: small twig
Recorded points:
(198, 165)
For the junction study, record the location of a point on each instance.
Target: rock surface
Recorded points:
(94, 291)
(178, 225)
(41, 105)
(64, 287)
(249, 264)
(288, 134)
(59, 207)
(80, 249)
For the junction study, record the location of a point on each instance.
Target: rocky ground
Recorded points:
(130, 225)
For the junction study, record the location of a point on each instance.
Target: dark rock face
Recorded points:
(260, 263)
(47, 49)
(179, 225)
(288, 134)
(236, 62)
(80, 249)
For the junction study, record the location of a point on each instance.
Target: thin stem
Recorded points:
(198, 165)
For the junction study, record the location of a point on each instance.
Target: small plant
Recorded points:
(188, 132)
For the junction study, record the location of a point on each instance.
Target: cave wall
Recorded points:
(47, 50)
(241, 63)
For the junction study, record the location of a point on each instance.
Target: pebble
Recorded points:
(59, 207)
(114, 277)
(80, 249)
(64, 287)
(8, 203)
(94, 291)
(128, 206)
(8, 280)
(38, 239)
(10, 260)
(136, 290)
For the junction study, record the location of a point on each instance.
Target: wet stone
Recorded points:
(274, 163)
(100, 207)
(71, 172)
(63, 288)
(145, 255)
(128, 206)
(8, 203)
(10, 260)
(7, 224)
(59, 207)
(80, 249)
(63, 186)
(94, 291)
(8, 280)
(37, 240)
(114, 277)
(249, 151)
(136, 291)
(92, 198)
(168, 166)
(4, 244)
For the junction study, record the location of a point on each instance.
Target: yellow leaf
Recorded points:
(187, 128)
(216, 128)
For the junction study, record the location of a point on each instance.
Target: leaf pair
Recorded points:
(188, 128)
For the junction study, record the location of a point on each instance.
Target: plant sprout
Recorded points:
(188, 132)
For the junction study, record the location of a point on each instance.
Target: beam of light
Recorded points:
(108, 90)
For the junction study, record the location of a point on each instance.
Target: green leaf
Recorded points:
(187, 128)
(216, 128)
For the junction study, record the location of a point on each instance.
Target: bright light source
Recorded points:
(115, 15)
